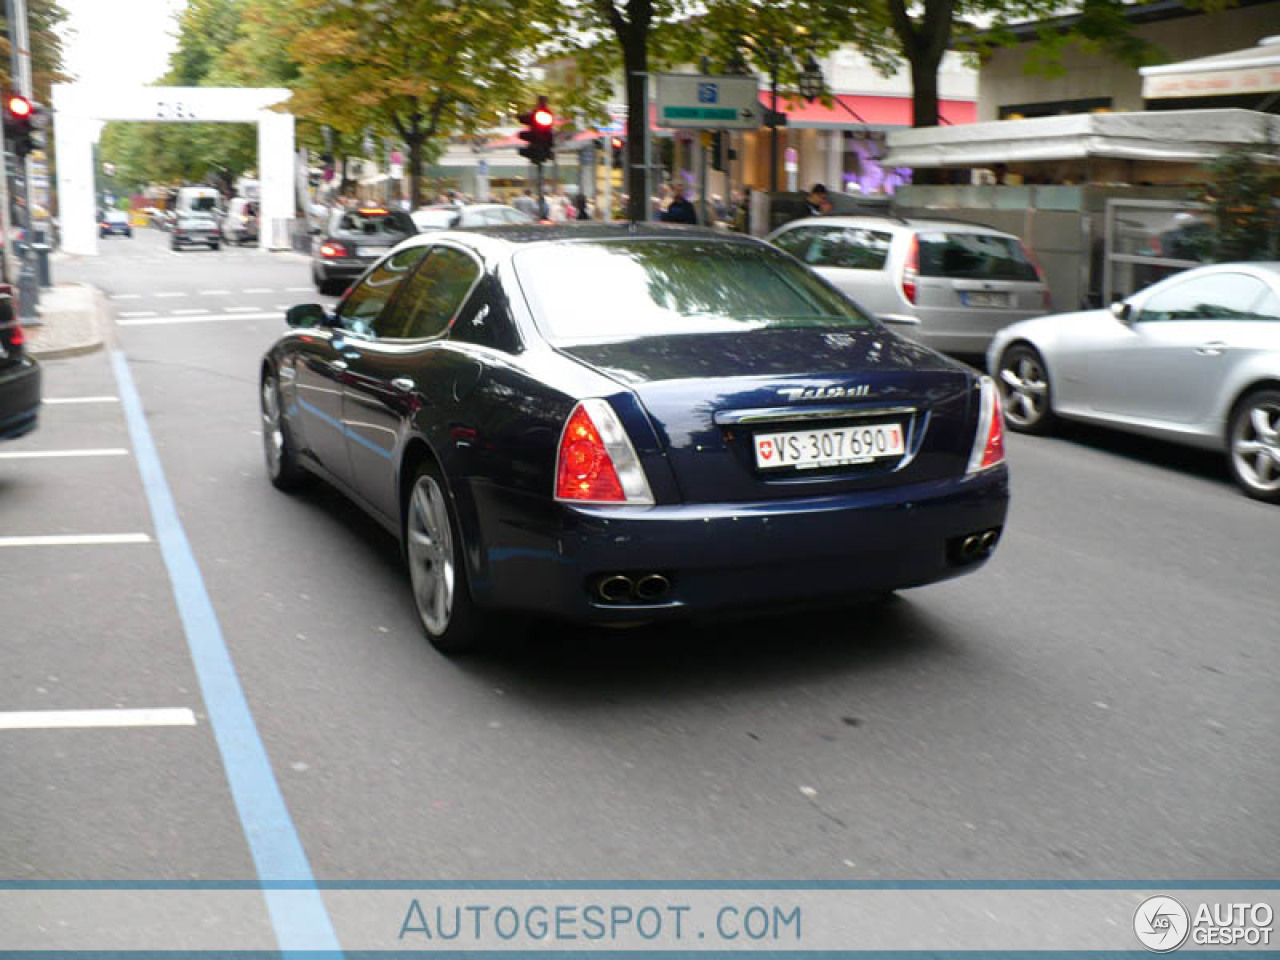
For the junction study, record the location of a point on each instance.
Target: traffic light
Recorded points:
(537, 133)
(18, 115)
(617, 143)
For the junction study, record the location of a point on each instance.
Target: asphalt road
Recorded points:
(1099, 702)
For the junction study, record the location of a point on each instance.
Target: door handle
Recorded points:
(1214, 348)
(339, 364)
(404, 385)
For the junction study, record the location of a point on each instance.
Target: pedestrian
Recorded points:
(680, 210)
(580, 204)
(819, 202)
(526, 204)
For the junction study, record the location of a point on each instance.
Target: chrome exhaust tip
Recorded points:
(969, 549)
(989, 540)
(615, 588)
(653, 586)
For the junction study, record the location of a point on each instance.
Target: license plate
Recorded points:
(978, 298)
(368, 251)
(834, 447)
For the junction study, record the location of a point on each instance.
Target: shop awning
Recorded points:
(849, 111)
(1175, 136)
(1253, 70)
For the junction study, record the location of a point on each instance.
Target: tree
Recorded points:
(419, 70)
(44, 17)
(1242, 196)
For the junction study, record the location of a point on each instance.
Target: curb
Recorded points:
(89, 344)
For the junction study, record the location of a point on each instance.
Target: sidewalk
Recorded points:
(72, 319)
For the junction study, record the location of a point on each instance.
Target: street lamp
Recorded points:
(812, 86)
(812, 82)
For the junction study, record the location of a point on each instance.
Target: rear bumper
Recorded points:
(341, 269)
(19, 398)
(547, 558)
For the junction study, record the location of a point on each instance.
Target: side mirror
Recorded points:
(307, 316)
(1122, 311)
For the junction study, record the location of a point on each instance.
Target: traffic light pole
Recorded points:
(20, 47)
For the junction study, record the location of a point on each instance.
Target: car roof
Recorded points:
(940, 224)
(506, 238)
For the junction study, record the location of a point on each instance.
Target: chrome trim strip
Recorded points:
(792, 414)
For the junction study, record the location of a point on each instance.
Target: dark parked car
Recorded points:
(352, 240)
(627, 424)
(19, 373)
(195, 229)
(114, 221)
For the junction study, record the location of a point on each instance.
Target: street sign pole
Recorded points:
(20, 44)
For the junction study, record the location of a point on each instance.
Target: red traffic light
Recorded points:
(18, 106)
(543, 117)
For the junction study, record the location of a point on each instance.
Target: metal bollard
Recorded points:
(42, 263)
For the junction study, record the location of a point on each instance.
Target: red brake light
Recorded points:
(16, 336)
(596, 462)
(1031, 259)
(331, 249)
(988, 439)
(911, 270)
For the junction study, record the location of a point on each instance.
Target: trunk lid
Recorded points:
(713, 399)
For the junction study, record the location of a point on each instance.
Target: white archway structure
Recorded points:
(78, 108)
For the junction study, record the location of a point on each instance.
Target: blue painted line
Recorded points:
(298, 915)
(346, 431)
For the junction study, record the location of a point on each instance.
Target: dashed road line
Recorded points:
(191, 312)
(67, 719)
(126, 296)
(297, 289)
(171, 293)
(76, 540)
(53, 454)
(198, 318)
(240, 309)
(258, 290)
(56, 400)
(136, 313)
(213, 293)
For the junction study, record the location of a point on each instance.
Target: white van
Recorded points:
(240, 225)
(197, 200)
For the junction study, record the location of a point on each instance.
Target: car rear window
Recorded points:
(372, 222)
(612, 290)
(978, 256)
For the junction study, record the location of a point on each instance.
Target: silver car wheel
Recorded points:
(1255, 446)
(1026, 388)
(272, 431)
(431, 561)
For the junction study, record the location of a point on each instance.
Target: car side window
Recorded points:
(1220, 296)
(797, 242)
(848, 248)
(359, 312)
(433, 295)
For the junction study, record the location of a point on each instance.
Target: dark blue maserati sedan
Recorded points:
(621, 424)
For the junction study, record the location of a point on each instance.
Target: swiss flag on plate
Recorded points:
(766, 449)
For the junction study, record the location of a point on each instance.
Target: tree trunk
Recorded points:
(924, 90)
(414, 143)
(635, 58)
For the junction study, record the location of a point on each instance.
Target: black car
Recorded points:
(352, 240)
(114, 221)
(195, 229)
(19, 373)
(633, 423)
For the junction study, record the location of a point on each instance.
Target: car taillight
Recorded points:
(988, 439)
(596, 462)
(1044, 283)
(16, 336)
(331, 249)
(911, 270)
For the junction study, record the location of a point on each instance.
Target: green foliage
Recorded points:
(1242, 196)
(44, 17)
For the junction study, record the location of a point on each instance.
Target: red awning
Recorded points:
(874, 111)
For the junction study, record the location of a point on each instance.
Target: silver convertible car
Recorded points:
(1194, 359)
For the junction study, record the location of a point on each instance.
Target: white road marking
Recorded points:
(136, 313)
(76, 540)
(258, 290)
(126, 296)
(65, 719)
(49, 454)
(81, 400)
(188, 313)
(214, 293)
(241, 309)
(283, 306)
(202, 318)
(297, 289)
(172, 294)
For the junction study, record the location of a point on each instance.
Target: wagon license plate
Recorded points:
(978, 298)
(812, 449)
(370, 251)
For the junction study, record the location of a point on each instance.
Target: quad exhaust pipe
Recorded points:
(620, 588)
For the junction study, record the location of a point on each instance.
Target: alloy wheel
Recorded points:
(431, 559)
(1255, 445)
(1025, 387)
(272, 429)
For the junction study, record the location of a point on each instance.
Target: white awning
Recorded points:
(1253, 70)
(1175, 136)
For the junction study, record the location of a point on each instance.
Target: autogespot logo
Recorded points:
(1161, 923)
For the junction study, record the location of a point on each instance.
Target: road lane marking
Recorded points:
(126, 296)
(50, 454)
(81, 400)
(298, 914)
(66, 719)
(172, 294)
(297, 289)
(214, 293)
(241, 309)
(137, 313)
(190, 313)
(258, 290)
(76, 540)
(200, 318)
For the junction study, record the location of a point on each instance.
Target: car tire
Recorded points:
(437, 567)
(174, 246)
(1253, 444)
(215, 246)
(1023, 378)
(283, 468)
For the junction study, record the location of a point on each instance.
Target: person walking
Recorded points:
(680, 210)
